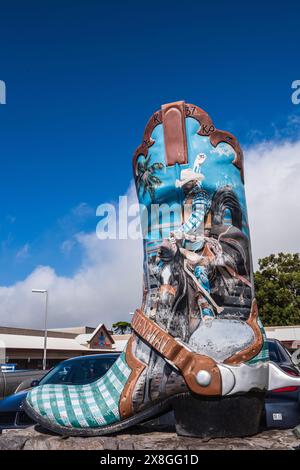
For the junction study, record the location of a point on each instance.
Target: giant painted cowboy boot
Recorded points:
(197, 345)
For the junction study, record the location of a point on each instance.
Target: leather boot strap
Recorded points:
(193, 366)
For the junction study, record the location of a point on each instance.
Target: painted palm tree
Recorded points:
(145, 177)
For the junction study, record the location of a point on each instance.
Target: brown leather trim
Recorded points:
(221, 136)
(207, 128)
(167, 288)
(254, 348)
(188, 362)
(206, 125)
(173, 117)
(154, 121)
(137, 367)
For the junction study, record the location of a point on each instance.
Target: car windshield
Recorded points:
(79, 372)
(278, 353)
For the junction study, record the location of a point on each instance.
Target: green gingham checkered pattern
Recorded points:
(263, 354)
(82, 406)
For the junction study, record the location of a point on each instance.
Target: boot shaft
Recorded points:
(197, 253)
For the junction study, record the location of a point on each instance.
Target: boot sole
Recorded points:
(205, 417)
(152, 412)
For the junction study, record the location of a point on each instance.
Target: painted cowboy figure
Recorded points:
(191, 231)
(198, 199)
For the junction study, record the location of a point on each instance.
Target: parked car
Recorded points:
(76, 371)
(10, 380)
(282, 406)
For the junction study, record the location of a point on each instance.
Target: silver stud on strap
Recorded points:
(203, 378)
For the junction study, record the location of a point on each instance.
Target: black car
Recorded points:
(282, 406)
(76, 371)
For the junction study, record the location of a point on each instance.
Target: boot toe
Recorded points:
(80, 406)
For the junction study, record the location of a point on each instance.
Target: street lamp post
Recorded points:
(44, 291)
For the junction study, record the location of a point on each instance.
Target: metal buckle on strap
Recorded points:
(200, 372)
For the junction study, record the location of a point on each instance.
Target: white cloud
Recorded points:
(273, 194)
(106, 287)
(108, 284)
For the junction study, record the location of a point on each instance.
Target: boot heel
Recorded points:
(234, 416)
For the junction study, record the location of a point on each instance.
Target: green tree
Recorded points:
(121, 327)
(277, 286)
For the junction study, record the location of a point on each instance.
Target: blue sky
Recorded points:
(82, 79)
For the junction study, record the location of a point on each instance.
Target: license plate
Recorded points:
(277, 417)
